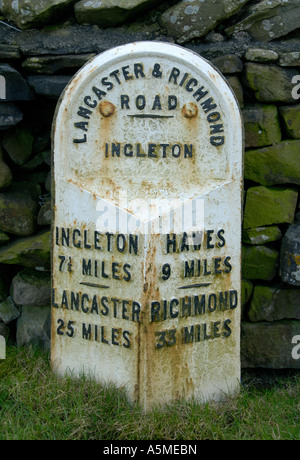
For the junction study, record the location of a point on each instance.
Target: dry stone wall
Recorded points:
(255, 45)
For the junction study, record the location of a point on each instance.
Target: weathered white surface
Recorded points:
(184, 175)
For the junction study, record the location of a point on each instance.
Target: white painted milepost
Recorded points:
(147, 183)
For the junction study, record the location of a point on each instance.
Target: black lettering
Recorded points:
(96, 240)
(136, 308)
(99, 93)
(157, 73)
(138, 70)
(233, 299)
(220, 234)
(86, 331)
(106, 82)
(173, 303)
(133, 244)
(227, 331)
(64, 300)
(227, 264)
(209, 239)
(217, 140)
(128, 152)
(199, 305)
(115, 270)
(140, 102)
(83, 307)
(155, 307)
(125, 101)
(104, 301)
(76, 244)
(126, 74)
(127, 272)
(208, 105)
(216, 329)
(199, 94)
(65, 237)
(94, 307)
(84, 113)
(126, 335)
(188, 334)
(114, 336)
(172, 102)
(156, 103)
(188, 151)
(223, 301)
(74, 301)
(174, 75)
(115, 149)
(82, 125)
(184, 242)
(190, 84)
(217, 261)
(212, 302)
(189, 268)
(171, 242)
(87, 101)
(115, 75)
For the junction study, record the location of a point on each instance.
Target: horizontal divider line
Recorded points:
(195, 285)
(103, 286)
(144, 115)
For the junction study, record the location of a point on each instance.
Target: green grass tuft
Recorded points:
(37, 405)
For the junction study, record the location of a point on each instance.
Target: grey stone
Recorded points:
(17, 88)
(195, 18)
(32, 252)
(261, 123)
(290, 115)
(109, 13)
(261, 235)
(290, 256)
(9, 52)
(269, 206)
(5, 175)
(274, 303)
(237, 88)
(290, 59)
(269, 19)
(18, 144)
(8, 311)
(49, 65)
(18, 213)
(33, 326)
(27, 14)
(269, 344)
(270, 83)
(49, 85)
(31, 287)
(4, 330)
(259, 262)
(80, 39)
(4, 238)
(261, 55)
(275, 164)
(10, 115)
(45, 215)
(228, 64)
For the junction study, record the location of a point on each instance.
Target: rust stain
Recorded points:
(107, 109)
(189, 110)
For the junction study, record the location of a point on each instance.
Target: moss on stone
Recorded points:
(259, 262)
(269, 205)
(32, 252)
(274, 165)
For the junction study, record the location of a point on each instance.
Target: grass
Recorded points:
(36, 405)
